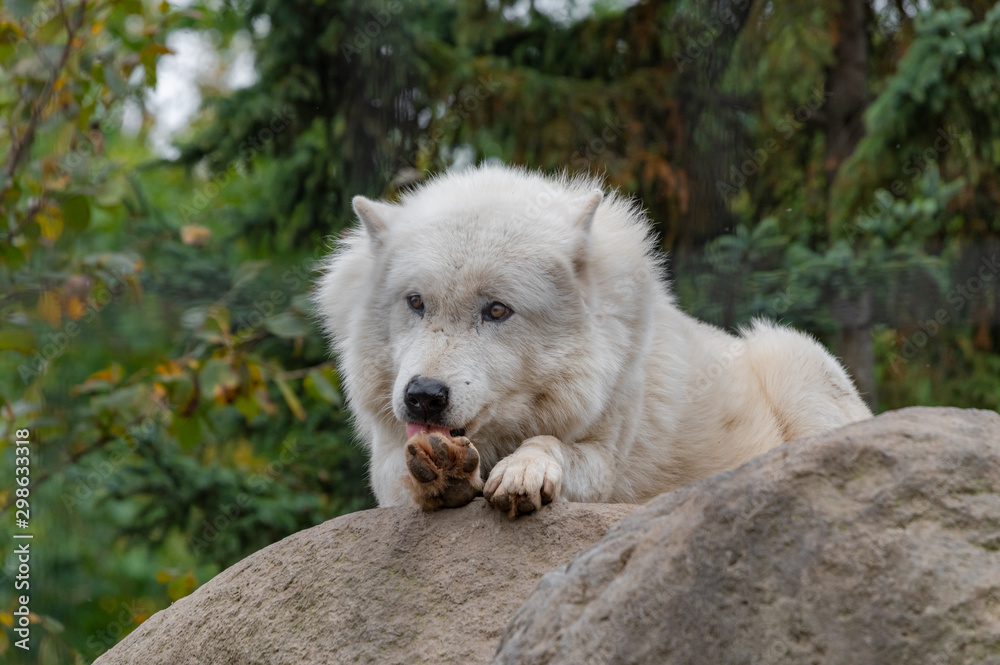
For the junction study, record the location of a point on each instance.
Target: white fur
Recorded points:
(597, 384)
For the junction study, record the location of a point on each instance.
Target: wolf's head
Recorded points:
(473, 305)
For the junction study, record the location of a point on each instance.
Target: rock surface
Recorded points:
(391, 585)
(877, 543)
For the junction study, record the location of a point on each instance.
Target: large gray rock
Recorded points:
(392, 585)
(877, 543)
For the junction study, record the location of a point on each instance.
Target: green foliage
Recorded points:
(781, 278)
(155, 330)
(183, 409)
(940, 106)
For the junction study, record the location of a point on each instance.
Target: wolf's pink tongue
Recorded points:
(414, 428)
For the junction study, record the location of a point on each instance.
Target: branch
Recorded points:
(28, 216)
(73, 459)
(14, 295)
(27, 137)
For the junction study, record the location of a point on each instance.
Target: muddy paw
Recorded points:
(444, 473)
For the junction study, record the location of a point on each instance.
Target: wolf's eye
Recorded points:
(416, 303)
(496, 311)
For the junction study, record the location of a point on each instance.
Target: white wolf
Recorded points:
(528, 313)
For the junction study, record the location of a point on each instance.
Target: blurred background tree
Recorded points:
(832, 166)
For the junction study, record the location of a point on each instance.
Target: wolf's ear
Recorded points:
(586, 218)
(374, 215)
(583, 223)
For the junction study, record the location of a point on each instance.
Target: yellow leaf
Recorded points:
(75, 308)
(113, 373)
(254, 370)
(243, 455)
(291, 399)
(57, 184)
(158, 49)
(51, 222)
(135, 286)
(264, 401)
(7, 619)
(163, 577)
(182, 586)
(97, 28)
(48, 308)
(194, 234)
(169, 369)
(9, 27)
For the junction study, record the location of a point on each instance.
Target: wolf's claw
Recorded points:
(523, 482)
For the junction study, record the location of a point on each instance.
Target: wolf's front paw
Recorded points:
(444, 473)
(523, 482)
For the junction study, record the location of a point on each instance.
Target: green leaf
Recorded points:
(131, 6)
(52, 625)
(287, 325)
(183, 390)
(10, 36)
(220, 315)
(194, 317)
(76, 212)
(51, 29)
(19, 8)
(247, 271)
(114, 81)
(324, 388)
(48, 651)
(83, 119)
(248, 407)
(217, 372)
(12, 256)
(303, 303)
(121, 400)
(17, 339)
(187, 431)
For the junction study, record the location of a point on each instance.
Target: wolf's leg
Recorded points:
(544, 468)
(444, 473)
(806, 388)
(386, 470)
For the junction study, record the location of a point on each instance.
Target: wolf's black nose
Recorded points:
(426, 399)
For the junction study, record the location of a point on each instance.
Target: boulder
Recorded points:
(876, 543)
(391, 585)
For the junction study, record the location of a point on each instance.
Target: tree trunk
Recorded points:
(846, 98)
(855, 345)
